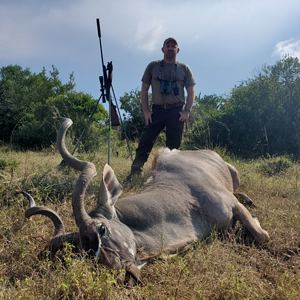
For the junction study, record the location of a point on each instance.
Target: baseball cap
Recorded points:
(170, 39)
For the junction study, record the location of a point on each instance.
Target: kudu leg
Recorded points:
(252, 224)
(242, 197)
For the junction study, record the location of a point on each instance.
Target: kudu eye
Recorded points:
(101, 230)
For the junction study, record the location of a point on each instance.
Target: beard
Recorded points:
(171, 54)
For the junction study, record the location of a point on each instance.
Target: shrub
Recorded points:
(3, 164)
(274, 165)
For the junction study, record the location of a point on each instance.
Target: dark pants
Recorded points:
(161, 118)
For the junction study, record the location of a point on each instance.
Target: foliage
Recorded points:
(50, 185)
(200, 125)
(274, 165)
(28, 101)
(261, 116)
(134, 120)
(4, 163)
(266, 111)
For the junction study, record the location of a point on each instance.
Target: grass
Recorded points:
(232, 266)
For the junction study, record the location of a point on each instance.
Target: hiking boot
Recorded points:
(135, 170)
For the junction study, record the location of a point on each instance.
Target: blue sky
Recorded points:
(223, 41)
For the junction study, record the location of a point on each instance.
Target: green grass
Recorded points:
(221, 267)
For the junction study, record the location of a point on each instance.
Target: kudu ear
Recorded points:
(110, 188)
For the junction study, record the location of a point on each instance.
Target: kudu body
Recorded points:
(189, 194)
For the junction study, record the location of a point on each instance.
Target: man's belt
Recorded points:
(168, 106)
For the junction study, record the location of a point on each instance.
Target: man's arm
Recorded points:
(145, 103)
(184, 115)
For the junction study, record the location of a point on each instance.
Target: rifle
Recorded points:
(105, 86)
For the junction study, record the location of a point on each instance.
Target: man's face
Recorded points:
(170, 50)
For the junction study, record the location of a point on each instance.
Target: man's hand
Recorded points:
(184, 115)
(148, 117)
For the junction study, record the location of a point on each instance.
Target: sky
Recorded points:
(223, 41)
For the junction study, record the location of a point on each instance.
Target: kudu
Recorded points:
(189, 194)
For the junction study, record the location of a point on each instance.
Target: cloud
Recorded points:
(290, 47)
(42, 29)
(149, 35)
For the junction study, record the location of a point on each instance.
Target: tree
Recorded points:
(29, 101)
(206, 111)
(134, 120)
(262, 115)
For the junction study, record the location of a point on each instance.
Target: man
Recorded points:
(167, 78)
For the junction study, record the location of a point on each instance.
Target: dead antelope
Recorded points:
(189, 194)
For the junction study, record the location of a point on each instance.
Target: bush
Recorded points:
(28, 101)
(3, 164)
(275, 165)
(51, 185)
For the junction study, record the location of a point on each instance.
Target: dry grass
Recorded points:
(221, 267)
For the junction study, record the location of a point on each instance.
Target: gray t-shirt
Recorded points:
(180, 75)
